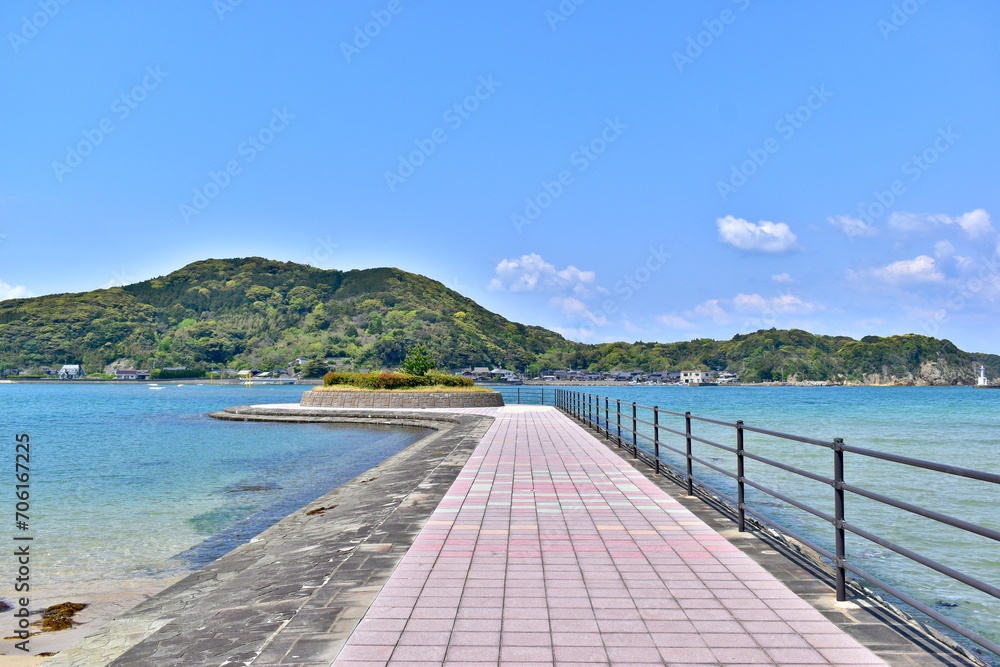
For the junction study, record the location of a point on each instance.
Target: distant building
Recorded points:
(725, 377)
(125, 374)
(696, 377)
(71, 371)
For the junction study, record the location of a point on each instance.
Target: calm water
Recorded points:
(133, 484)
(130, 483)
(955, 425)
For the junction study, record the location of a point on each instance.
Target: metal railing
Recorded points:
(619, 421)
(525, 394)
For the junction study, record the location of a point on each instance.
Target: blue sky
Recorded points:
(614, 171)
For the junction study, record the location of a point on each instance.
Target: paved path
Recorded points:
(550, 549)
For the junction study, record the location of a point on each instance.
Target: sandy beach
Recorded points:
(102, 605)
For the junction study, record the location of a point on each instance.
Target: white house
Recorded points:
(696, 377)
(70, 371)
(725, 377)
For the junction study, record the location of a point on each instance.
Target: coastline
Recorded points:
(249, 587)
(311, 382)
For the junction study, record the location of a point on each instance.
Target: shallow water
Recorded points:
(134, 484)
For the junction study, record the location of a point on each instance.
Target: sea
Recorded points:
(134, 486)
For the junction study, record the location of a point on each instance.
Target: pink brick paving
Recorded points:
(550, 550)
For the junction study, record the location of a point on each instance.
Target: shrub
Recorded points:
(394, 380)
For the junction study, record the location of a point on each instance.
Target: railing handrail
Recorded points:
(587, 408)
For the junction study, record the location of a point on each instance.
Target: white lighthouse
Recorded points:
(983, 382)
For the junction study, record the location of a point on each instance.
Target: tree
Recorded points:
(314, 369)
(418, 361)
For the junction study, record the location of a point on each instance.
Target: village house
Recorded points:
(696, 377)
(725, 377)
(71, 372)
(125, 374)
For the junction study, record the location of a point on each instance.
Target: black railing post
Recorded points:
(635, 435)
(740, 486)
(607, 423)
(519, 396)
(656, 439)
(838, 499)
(618, 414)
(690, 464)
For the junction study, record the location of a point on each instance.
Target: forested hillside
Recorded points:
(255, 312)
(261, 313)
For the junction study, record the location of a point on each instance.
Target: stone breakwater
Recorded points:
(400, 400)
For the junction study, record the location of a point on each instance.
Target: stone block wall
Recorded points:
(400, 400)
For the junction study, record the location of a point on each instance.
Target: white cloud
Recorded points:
(763, 237)
(13, 291)
(582, 334)
(674, 321)
(713, 310)
(782, 278)
(922, 269)
(914, 222)
(943, 249)
(783, 303)
(976, 224)
(531, 273)
(853, 227)
(573, 307)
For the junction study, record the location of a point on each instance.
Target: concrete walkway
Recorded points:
(550, 549)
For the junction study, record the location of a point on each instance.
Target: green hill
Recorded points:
(261, 313)
(794, 355)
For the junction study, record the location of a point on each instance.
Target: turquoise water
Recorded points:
(132, 483)
(954, 425)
